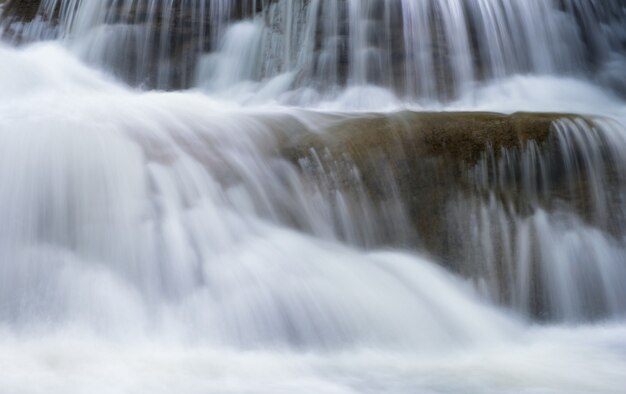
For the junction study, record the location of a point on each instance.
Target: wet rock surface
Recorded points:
(425, 159)
(466, 180)
(22, 10)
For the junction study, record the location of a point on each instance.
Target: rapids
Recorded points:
(154, 238)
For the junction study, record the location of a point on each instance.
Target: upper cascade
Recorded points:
(305, 50)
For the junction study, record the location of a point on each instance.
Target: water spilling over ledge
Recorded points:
(424, 50)
(494, 197)
(321, 196)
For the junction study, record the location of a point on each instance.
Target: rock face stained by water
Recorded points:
(422, 158)
(477, 188)
(22, 10)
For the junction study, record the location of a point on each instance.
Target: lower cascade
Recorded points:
(316, 196)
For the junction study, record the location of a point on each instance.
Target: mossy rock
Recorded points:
(430, 161)
(409, 143)
(463, 136)
(425, 158)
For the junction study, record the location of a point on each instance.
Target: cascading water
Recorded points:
(538, 227)
(300, 218)
(425, 49)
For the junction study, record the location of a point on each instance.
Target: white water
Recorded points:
(425, 50)
(146, 246)
(134, 262)
(579, 361)
(162, 197)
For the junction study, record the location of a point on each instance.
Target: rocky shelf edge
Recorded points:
(426, 159)
(461, 136)
(439, 166)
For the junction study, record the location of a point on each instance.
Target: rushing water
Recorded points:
(162, 242)
(311, 49)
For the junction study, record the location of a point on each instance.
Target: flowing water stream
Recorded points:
(158, 236)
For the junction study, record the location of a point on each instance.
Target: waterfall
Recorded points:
(112, 218)
(327, 45)
(220, 196)
(539, 226)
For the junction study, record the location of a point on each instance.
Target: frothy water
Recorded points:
(582, 360)
(155, 204)
(162, 242)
